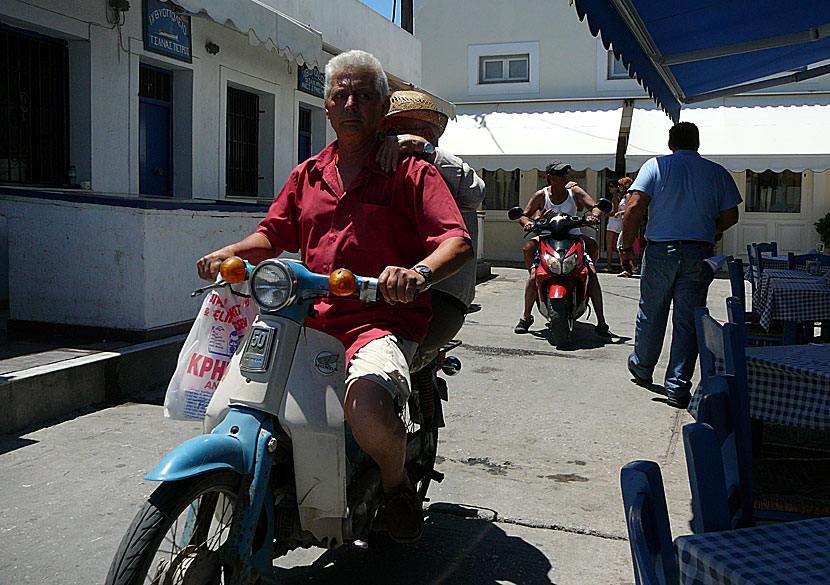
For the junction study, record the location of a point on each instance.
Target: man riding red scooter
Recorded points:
(559, 252)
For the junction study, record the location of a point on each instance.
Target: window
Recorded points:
(501, 189)
(504, 69)
(616, 69)
(771, 192)
(33, 109)
(242, 139)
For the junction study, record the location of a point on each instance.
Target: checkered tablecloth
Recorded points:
(789, 553)
(787, 384)
(780, 263)
(790, 299)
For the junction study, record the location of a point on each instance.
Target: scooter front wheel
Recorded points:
(177, 534)
(560, 321)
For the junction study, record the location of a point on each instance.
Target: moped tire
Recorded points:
(560, 321)
(145, 552)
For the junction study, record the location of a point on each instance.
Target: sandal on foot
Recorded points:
(523, 325)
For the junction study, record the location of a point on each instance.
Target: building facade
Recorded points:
(531, 84)
(137, 136)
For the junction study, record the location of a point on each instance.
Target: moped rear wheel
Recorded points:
(560, 321)
(176, 536)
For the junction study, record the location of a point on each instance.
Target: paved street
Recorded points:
(532, 452)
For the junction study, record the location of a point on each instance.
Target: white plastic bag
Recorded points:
(218, 330)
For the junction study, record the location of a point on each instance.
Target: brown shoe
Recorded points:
(404, 515)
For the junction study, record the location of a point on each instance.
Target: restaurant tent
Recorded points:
(684, 52)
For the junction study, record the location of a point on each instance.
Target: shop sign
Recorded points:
(311, 80)
(167, 30)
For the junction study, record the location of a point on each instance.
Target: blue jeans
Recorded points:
(671, 274)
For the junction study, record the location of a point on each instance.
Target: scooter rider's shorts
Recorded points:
(385, 361)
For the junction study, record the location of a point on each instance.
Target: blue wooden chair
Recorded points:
(754, 334)
(647, 518)
(721, 351)
(796, 260)
(756, 253)
(719, 459)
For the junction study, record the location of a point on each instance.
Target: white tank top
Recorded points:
(568, 207)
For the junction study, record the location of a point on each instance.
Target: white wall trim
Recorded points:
(474, 52)
(30, 17)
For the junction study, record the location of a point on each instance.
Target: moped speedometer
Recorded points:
(273, 285)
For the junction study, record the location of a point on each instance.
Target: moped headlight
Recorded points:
(568, 264)
(273, 285)
(554, 265)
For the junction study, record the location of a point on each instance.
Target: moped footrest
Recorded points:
(436, 476)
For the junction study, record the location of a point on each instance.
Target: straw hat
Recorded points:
(414, 104)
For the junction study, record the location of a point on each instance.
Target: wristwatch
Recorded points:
(426, 272)
(429, 149)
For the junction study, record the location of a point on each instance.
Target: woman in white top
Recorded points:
(614, 225)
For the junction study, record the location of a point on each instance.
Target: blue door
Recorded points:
(154, 132)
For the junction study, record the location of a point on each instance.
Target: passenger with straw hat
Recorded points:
(413, 125)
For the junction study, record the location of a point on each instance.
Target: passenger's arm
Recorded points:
(254, 248)
(466, 187)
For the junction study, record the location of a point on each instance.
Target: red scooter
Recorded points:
(562, 271)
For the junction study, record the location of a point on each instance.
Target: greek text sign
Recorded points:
(311, 81)
(167, 31)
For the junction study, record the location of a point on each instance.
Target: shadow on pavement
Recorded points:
(583, 337)
(454, 550)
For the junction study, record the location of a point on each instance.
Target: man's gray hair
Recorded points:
(361, 60)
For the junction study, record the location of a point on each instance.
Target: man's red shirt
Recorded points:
(382, 219)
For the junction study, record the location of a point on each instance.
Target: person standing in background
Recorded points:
(624, 184)
(614, 225)
(690, 201)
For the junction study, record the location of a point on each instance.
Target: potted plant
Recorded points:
(823, 228)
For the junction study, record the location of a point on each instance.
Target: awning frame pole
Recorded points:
(808, 36)
(790, 78)
(638, 29)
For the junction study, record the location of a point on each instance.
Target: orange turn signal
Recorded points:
(233, 270)
(342, 282)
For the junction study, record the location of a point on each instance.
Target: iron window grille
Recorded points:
(33, 109)
(242, 143)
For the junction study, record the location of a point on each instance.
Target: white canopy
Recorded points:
(528, 136)
(264, 25)
(755, 133)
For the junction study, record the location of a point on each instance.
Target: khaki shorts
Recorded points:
(385, 361)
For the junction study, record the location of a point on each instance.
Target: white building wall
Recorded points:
(128, 268)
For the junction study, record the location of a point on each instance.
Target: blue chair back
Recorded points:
(757, 252)
(753, 267)
(647, 518)
(795, 260)
(736, 279)
(719, 459)
(721, 349)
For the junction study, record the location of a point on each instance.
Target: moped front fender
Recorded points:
(232, 445)
(558, 291)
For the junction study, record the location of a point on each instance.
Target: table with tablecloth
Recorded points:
(785, 297)
(788, 553)
(787, 385)
(780, 263)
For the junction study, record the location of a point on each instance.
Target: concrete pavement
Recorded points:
(535, 440)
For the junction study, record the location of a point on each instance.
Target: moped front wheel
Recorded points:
(560, 321)
(176, 536)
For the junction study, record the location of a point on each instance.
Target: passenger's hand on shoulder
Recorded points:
(400, 285)
(571, 184)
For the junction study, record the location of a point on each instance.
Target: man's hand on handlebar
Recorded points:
(208, 265)
(400, 285)
(528, 227)
(592, 219)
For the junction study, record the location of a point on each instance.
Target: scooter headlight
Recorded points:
(273, 285)
(568, 264)
(554, 265)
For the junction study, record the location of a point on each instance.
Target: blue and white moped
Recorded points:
(278, 468)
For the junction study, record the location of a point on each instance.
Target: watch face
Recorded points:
(429, 148)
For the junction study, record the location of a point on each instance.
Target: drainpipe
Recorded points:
(407, 16)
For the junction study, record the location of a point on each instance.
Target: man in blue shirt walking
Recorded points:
(691, 201)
